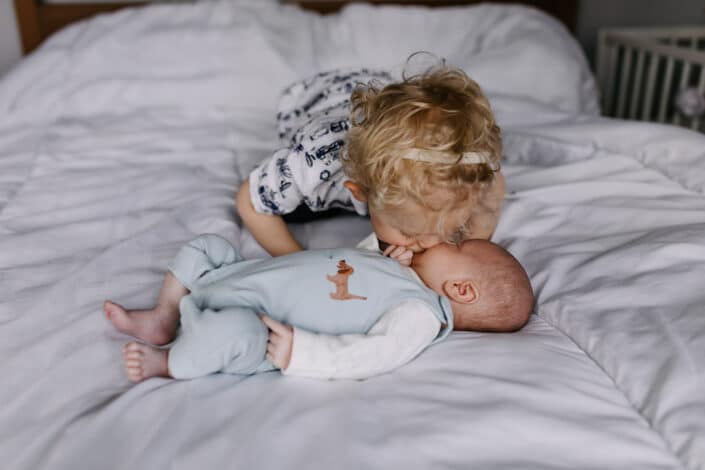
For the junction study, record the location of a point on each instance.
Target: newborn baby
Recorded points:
(338, 313)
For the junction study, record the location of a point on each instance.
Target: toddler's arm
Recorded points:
(270, 231)
(397, 337)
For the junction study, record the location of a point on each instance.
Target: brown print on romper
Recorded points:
(341, 282)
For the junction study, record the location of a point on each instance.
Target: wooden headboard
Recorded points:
(37, 20)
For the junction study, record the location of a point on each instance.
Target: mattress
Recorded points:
(127, 135)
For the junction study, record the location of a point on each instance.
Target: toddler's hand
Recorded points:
(400, 253)
(281, 342)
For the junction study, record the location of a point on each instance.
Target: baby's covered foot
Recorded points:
(143, 362)
(157, 326)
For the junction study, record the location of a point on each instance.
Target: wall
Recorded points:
(10, 50)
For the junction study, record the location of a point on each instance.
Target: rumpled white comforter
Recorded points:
(125, 136)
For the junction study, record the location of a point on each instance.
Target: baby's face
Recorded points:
(439, 263)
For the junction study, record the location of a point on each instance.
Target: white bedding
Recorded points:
(124, 136)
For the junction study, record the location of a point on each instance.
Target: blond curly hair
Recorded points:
(441, 112)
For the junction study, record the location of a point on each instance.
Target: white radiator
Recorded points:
(653, 74)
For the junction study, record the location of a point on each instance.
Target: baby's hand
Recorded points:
(281, 342)
(400, 253)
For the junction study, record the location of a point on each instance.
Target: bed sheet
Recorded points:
(606, 374)
(98, 191)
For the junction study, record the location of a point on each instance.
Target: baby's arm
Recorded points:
(397, 337)
(402, 254)
(270, 231)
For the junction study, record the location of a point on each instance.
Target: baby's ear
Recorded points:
(356, 190)
(463, 291)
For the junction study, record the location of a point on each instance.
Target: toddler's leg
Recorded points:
(157, 325)
(143, 362)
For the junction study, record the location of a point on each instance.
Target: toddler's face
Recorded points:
(414, 227)
(391, 232)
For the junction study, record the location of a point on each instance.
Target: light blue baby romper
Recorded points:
(335, 291)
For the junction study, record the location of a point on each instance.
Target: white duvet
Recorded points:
(125, 136)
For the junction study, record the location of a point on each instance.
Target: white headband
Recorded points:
(434, 156)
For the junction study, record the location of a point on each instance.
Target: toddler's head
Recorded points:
(487, 287)
(423, 154)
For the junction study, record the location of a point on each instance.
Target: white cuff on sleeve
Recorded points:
(303, 352)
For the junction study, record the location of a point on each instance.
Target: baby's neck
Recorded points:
(420, 277)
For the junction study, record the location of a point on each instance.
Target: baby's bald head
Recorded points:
(487, 287)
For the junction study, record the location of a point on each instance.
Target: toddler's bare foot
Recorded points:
(157, 326)
(143, 362)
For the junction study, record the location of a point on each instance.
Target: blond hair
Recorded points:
(441, 111)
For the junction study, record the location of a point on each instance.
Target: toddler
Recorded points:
(338, 313)
(420, 157)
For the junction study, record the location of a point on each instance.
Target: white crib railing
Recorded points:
(653, 74)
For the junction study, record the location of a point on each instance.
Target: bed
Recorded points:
(125, 135)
